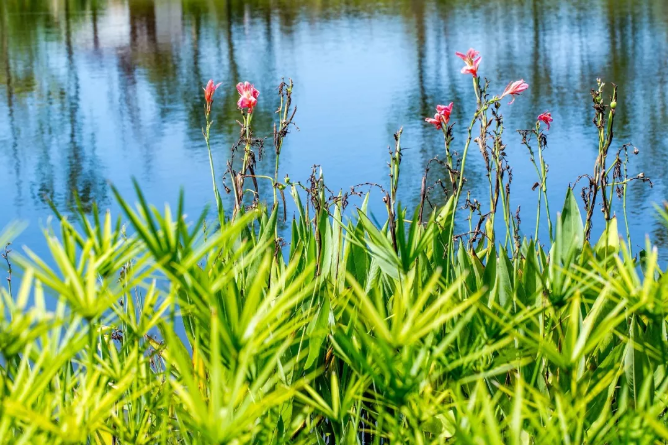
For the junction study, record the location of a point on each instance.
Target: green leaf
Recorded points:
(571, 236)
(636, 363)
(608, 243)
(318, 331)
(504, 279)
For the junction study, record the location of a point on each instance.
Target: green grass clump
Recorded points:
(223, 339)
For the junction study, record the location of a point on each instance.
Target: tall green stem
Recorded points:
(540, 194)
(238, 187)
(92, 346)
(216, 193)
(460, 184)
(543, 187)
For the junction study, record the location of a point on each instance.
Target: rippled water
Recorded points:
(98, 91)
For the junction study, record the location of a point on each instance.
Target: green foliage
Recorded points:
(173, 335)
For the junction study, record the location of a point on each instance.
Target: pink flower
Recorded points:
(515, 88)
(471, 60)
(248, 97)
(436, 121)
(209, 90)
(445, 110)
(208, 94)
(442, 116)
(546, 118)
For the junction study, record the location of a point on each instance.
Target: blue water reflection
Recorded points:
(93, 91)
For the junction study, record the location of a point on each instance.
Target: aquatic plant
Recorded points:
(154, 328)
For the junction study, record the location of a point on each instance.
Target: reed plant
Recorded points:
(154, 328)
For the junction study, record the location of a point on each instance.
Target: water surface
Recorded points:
(94, 91)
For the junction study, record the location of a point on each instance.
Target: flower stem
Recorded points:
(543, 187)
(460, 184)
(216, 193)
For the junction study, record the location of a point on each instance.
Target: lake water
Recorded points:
(96, 91)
